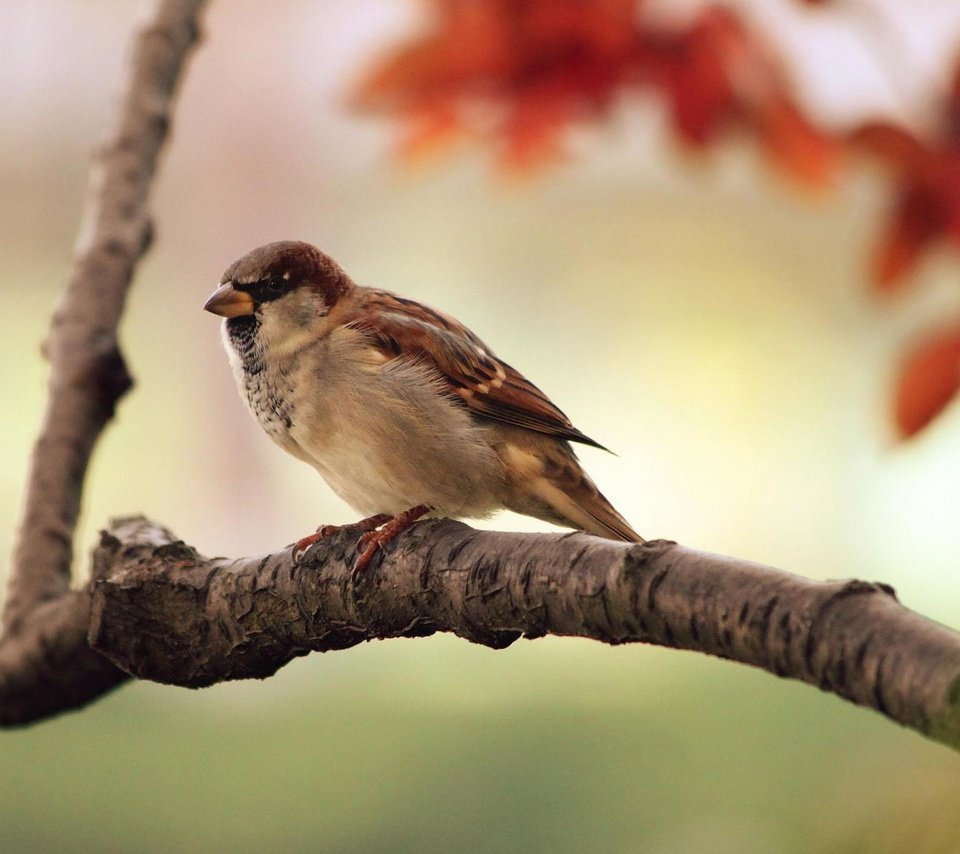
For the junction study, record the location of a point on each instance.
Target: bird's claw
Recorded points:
(367, 547)
(371, 523)
(379, 537)
(377, 530)
(301, 547)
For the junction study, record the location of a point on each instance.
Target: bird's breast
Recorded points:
(383, 435)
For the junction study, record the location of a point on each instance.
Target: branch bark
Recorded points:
(159, 610)
(88, 375)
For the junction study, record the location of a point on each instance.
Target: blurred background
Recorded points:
(704, 318)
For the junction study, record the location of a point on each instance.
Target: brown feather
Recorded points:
(489, 387)
(546, 480)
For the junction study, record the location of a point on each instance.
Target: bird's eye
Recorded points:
(275, 285)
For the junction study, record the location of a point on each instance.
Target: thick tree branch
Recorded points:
(158, 610)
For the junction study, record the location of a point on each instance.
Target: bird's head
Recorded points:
(285, 288)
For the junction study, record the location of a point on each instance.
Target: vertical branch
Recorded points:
(87, 372)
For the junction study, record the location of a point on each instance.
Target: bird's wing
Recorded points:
(488, 387)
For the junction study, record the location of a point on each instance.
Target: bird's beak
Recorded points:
(229, 302)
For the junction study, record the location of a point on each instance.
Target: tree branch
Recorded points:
(87, 371)
(158, 610)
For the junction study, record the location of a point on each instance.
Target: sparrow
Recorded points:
(402, 410)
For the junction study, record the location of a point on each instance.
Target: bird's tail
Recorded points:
(604, 521)
(563, 493)
(593, 513)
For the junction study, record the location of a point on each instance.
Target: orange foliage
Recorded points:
(541, 64)
(521, 72)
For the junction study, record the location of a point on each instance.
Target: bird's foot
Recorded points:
(375, 539)
(371, 523)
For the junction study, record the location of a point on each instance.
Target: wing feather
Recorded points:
(488, 387)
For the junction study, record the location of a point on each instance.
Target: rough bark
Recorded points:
(159, 610)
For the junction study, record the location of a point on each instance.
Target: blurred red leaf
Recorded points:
(927, 204)
(929, 379)
(429, 128)
(919, 218)
(470, 43)
(802, 151)
(950, 126)
(765, 103)
(895, 145)
(696, 80)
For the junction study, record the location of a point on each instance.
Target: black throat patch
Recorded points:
(268, 393)
(243, 332)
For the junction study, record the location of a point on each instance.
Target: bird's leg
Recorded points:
(371, 523)
(375, 539)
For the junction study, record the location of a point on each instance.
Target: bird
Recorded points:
(403, 411)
